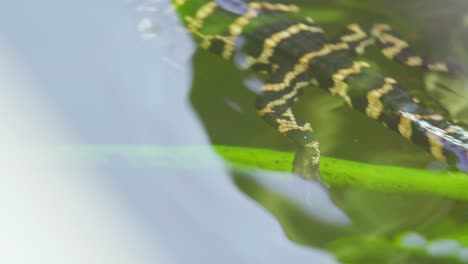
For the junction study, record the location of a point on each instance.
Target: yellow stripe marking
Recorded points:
(314, 145)
(441, 67)
(357, 34)
(281, 101)
(450, 130)
(363, 45)
(434, 117)
(414, 61)
(270, 43)
(206, 40)
(404, 127)
(340, 87)
(237, 27)
(196, 23)
(397, 44)
(437, 148)
(375, 106)
(285, 125)
(303, 65)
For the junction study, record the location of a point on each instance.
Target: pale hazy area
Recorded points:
(54, 211)
(80, 73)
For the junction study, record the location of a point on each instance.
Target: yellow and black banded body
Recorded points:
(273, 36)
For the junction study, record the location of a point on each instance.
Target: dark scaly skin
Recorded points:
(274, 37)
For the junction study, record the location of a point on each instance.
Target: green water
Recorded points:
(378, 220)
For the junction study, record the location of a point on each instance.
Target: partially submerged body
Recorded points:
(274, 37)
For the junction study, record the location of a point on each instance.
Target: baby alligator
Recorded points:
(273, 37)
